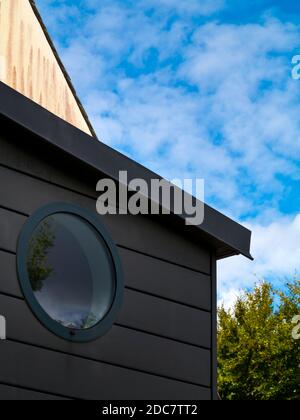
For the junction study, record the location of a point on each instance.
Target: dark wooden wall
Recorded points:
(162, 345)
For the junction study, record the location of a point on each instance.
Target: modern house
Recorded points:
(113, 307)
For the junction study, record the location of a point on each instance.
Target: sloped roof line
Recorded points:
(62, 67)
(226, 236)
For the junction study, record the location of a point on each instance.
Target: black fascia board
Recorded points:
(227, 236)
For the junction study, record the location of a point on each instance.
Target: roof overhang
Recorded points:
(225, 236)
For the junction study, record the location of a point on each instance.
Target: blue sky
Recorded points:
(199, 88)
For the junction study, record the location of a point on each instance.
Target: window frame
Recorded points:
(73, 335)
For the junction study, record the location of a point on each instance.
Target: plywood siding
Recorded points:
(29, 65)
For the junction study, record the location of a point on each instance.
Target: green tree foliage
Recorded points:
(37, 264)
(258, 357)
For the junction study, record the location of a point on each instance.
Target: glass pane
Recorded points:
(71, 271)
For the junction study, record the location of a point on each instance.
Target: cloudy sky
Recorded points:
(199, 89)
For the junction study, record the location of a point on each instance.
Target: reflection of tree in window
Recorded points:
(89, 322)
(84, 324)
(37, 263)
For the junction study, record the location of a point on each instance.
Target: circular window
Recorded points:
(70, 272)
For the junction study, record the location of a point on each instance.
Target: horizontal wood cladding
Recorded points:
(145, 274)
(11, 224)
(29, 65)
(26, 194)
(166, 280)
(52, 372)
(167, 319)
(142, 312)
(25, 153)
(12, 393)
(8, 281)
(160, 345)
(121, 347)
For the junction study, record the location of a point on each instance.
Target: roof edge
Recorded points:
(229, 237)
(62, 67)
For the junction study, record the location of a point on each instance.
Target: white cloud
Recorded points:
(162, 123)
(213, 101)
(227, 63)
(195, 7)
(243, 75)
(276, 249)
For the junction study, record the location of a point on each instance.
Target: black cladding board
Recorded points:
(11, 224)
(26, 194)
(121, 346)
(146, 313)
(52, 372)
(11, 393)
(160, 346)
(8, 280)
(166, 280)
(20, 156)
(167, 319)
(51, 133)
(142, 273)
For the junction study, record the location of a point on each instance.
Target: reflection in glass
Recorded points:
(37, 264)
(71, 271)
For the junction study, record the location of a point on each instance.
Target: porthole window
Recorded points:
(70, 272)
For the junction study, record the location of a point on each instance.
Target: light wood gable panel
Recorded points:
(28, 63)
